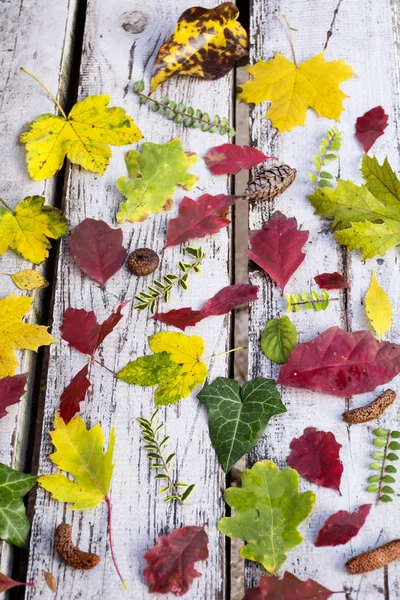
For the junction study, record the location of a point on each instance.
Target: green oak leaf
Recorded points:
(278, 339)
(14, 524)
(238, 416)
(268, 508)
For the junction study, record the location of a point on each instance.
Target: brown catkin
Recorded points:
(374, 559)
(371, 411)
(71, 555)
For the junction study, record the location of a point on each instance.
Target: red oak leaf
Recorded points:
(230, 159)
(315, 455)
(341, 363)
(342, 526)
(276, 248)
(331, 281)
(11, 391)
(223, 302)
(6, 583)
(73, 394)
(371, 126)
(97, 249)
(198, 218)
(288, 588)
(171, 562)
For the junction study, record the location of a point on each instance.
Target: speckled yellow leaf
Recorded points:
(29, 280)
(292, 90)
(378, 307)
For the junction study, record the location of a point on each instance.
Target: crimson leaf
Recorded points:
(288, 588)
(341, 527)
(11, 391)
(230, 159)
(331, 281)
(73, 394)
(371, 126)
(6, 583)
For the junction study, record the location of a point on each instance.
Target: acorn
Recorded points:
(143, 261)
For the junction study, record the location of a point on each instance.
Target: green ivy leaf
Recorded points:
(14, 524)
(278, 339)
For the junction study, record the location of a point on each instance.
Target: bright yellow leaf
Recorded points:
(17, 335)
(293, 89)
(29, 280)
(378, 307)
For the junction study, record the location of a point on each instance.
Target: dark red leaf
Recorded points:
(371, 126)
(108, 325)
(11, 391)
(341, 527)
(171, 562)
(315, 455)
(6, 583)
(341, 363)
(97, 249)
(73, 394)
(230, 159)
(288, 588)
(331, 281)
(198, 218)
(180, 318)
(276, 248)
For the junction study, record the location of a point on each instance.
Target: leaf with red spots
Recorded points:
(74, 394)
(170, 567)
(371, 126)
(12, 389)
(276, 248)
(6, 583)
(229, 159)
(341, 527)
(331, 281)
(288, 588)
(315, 455)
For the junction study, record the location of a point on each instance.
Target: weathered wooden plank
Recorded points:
(363, 32)
(120, 44)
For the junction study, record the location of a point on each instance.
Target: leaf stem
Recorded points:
(224, 353)
(104, 366)
(109, 529)
(6, 205)
(290, 38)
(384, 466)
(60, 108)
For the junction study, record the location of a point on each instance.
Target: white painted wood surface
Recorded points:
(363, 32)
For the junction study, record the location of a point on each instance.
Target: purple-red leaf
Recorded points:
(230, 159)
(341, 527)
(11, 391)
(170, 567)
(224, 301)
(371, 126)
(288, 588)
(315, 455)
(276, 248)
(6, 583)
(341, 363)
(331, 281)
(97, 249)
(73, 394)
(198, 218)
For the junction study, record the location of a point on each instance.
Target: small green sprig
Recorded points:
(295, 302)
(327, 152)
(179, 113)
(155, 451)
(163, 290)
(385, 440)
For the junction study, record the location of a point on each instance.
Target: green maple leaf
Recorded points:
(278, 339)
(14, 524)
(154, 173)
(268, 508)
(238, 416)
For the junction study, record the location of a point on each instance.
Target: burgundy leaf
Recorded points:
(315, 455)
(341, 527)
(6, 583)
(73, 394)
(276, 248)
(288, 588)
(11, 391)
(331, 281)
(97, 249)
(341, 363)
(230, 159)
(108, 325)
(171, 562)
(371, 126)
(180, 318)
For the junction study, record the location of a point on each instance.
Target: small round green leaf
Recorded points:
(394, 446)
(390, 469)
(378, 455)
(373, 478)
(380, 432)
(385, 498)
(278, 339)
(389, 479)
(373, 488)
(387, 489)
(376, 466)
(392, 456)
(381, 442)
(395, 434)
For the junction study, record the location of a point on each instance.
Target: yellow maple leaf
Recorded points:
(17, 335)
(293, 89)
(378, 308)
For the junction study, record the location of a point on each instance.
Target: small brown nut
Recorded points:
(143, 261)
(70, 554)
(370, 411)
(374, 559)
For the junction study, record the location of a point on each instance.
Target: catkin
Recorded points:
(371, 411)
(71, 555)
(374, 559)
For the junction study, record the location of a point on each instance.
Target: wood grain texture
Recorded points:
(120, 43)
(363, 32)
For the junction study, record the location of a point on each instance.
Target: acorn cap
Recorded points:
(143, 261)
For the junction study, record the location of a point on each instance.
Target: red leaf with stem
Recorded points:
(288, 588)
(331, 281)
(229, 159)
(341, 527)
(6, 583)
(74, 394)
(371, 126)
(11, 391)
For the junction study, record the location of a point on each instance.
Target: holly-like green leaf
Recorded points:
(278, 339)
(268, 508)
(14, 524)
(238, 416)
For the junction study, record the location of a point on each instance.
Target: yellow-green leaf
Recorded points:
(29, 280)
(206, 43)
(378, 307)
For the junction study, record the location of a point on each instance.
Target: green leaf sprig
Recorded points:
(328, 149)
(295, 302)
(385, 440)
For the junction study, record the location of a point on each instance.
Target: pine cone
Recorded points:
(374, 559)
(269, 182)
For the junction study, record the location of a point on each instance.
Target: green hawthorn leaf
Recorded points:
(278, 339)
(14, 524)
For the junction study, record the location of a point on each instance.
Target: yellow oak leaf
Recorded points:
(378, 307)
(293, 89)
(17, 335)
(28, 280)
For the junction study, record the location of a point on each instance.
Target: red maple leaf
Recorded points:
(229, 159)
(341, 363)
(371, 126)
(11, 391)
(331, 281)
(223, 302)
(341, 527)
(288, 588)
(97, 249)
(74, 394)
(6, 583)
(198, 218)
(315, 455)
(171, 562)
(276, 248)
